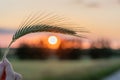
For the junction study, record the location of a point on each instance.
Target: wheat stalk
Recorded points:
(44, 23)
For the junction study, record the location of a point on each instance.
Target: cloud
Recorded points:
(78, 1)
(93, 5)
(6, 31)
(118, 1)
(87, 3)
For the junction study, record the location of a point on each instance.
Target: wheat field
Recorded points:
(66, 70)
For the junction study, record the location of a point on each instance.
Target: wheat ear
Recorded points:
(42, 24)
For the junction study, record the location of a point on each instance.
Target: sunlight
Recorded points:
(52, 40)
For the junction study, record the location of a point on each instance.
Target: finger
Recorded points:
(18, 76)
(10, 74)
(2, 72)
(1, 69)
(8, 66)
(9, 70)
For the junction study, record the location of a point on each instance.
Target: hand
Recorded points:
(7, 72)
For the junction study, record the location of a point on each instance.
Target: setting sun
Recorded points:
(52, 40)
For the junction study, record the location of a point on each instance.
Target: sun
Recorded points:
(52, 40)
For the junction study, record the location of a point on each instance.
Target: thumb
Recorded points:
(9, 70)
(10, 74)
(1, 69)
(18, 76)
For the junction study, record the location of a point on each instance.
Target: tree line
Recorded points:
(99, 49)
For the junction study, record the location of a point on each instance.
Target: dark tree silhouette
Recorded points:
(100, 49)
(0, 53)
(27, 52)
(75, 54)
(69, 53)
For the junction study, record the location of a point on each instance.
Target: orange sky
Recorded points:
(100, 17)
(42, 39)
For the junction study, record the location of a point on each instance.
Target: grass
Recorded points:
(66, 70)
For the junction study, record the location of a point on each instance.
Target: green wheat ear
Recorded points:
(44, 23)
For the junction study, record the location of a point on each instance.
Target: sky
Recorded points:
(100, 17)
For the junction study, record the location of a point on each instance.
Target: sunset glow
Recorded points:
(100, 17)
(52, 40)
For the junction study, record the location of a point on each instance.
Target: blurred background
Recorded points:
(52, 56)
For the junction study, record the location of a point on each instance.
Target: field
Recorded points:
(66, 70)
